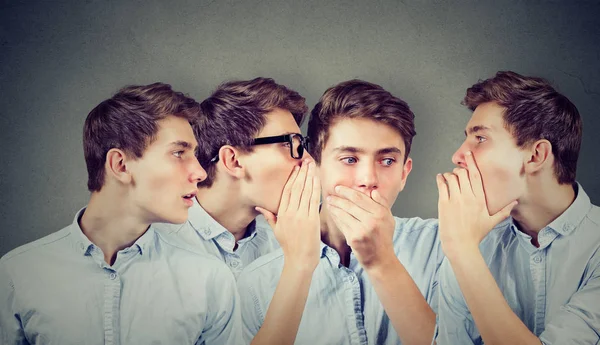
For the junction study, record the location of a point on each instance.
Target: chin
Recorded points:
(175, 218)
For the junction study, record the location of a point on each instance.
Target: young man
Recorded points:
(109, 278)
(374, 274)
(535, 277)
(249, 141)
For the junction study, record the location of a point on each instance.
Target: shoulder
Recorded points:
(266, 262)
(416, 231)
(37, 249)
(264, 271)
(594, 215)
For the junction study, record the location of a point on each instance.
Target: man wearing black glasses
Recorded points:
(254, 155)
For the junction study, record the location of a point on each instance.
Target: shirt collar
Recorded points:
(84, 246)
(208, 228)
(570, 219)
(563, 225)
(81, 243)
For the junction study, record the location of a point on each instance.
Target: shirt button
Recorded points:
(351, 278)
(207, 232)
(113, 276)
(234, 264)
(537, 259)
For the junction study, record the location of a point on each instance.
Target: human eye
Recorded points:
(179, 153)
(388, 161)
(480, 139)
(349, 160)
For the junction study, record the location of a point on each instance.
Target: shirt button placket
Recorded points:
(112, 296)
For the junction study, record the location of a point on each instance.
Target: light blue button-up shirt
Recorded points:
(342, 306)
(553, 289)
(203, 233)
(59, 290)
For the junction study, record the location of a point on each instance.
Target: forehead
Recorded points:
(279, 121)
(366, 134)
(173, 129)
(487, 116)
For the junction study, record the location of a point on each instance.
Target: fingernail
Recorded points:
(329, 198)
(337, 189)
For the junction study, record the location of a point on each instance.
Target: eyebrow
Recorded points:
(352, 149)
(181, 143)
(475, 129)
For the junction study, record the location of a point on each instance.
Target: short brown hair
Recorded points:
(235, 113)
(534, 111)
(129, 121)
(358, 99)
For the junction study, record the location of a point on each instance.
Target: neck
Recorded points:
(543, 203)
(333, 237)
(112, 224)
(223, 203)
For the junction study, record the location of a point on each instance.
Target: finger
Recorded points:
(315, 200)
(378, 198)
(503, 213)
(345, 222)
(453, 186)
(307, 189)
(269, 216)
(348, 207)
(297, 188)
(360, 199)
(463, 180)
(442, 188)
(474, 175)
(287, 190)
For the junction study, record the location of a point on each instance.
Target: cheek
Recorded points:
(499, 175)
(332, 176)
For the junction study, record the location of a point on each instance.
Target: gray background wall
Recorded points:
(59, 59)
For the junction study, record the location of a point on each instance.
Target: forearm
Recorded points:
(285, 310)
(411, 316)
(494, 318)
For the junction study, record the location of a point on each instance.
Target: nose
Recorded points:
(458, 158)
(366, 177)
(197, 172)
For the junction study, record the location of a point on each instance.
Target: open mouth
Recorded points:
(189, 196)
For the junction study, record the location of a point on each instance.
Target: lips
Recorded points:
(189, 198)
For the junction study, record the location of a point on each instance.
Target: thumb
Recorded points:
(269, 216)
(376, 196)
(503, 213)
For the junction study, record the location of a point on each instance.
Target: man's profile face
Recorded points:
(500, 160)
(269, 166)
(364, 154)
(167, 174)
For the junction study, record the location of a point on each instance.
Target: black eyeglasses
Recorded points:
(298, 144)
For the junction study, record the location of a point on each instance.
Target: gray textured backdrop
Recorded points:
(59, 59)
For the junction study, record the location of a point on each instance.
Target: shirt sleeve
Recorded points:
(433, 299)
(11, 331)
(578, 321)
(454, 325)
(252, 315)
(224, 320)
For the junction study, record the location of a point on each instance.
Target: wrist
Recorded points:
(383, 263)
(461, 252)
(300, 267)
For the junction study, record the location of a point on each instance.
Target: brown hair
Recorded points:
(534, 111)
(129, 121)
(358, 99)
(235, 113)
